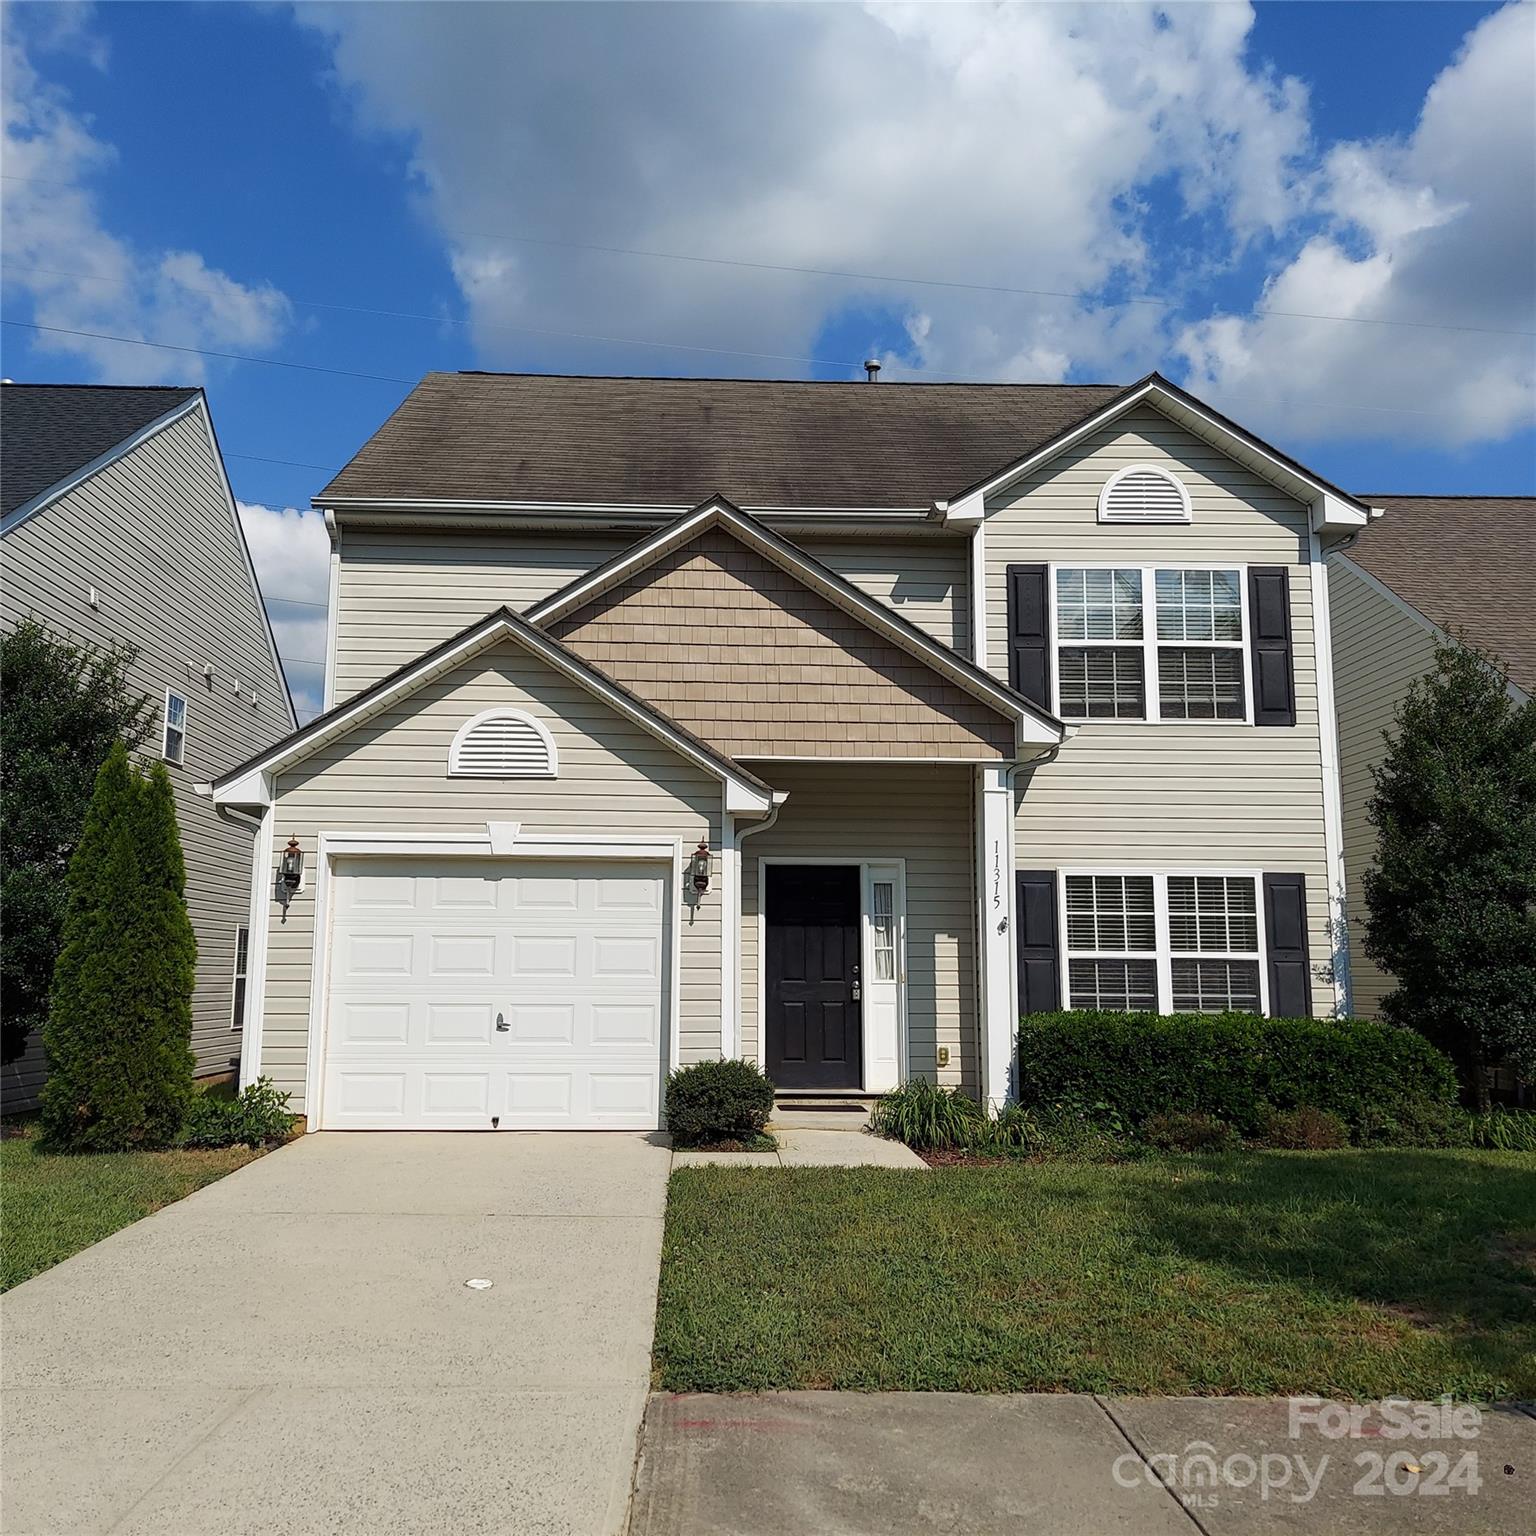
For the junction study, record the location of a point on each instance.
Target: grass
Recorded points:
(1346, 1274)
(53, 1206)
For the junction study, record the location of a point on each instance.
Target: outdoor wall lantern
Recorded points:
(290, 874)
(698, 868)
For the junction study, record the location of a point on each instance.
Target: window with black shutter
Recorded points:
(1029, 632)
(1274, 667)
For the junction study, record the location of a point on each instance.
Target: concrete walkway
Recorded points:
(940, 1464)
(802, 1147)
(293, 1349)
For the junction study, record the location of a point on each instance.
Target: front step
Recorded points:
(822, 1112)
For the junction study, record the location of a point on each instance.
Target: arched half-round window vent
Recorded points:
(1143, 493)
(503, 744)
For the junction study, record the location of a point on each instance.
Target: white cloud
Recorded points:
(1441, 225)
(1007, 145)
(292, 555)
(1029, 146)
(74, 272)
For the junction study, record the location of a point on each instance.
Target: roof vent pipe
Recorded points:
(871, 367)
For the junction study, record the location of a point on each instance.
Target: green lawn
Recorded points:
(51, 1206)
(1347, 1274)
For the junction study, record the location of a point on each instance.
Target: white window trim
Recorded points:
(165, 728)
(503, 713)
(1149, 643)
(235, 1019)
(1164, 955)
(1184, 515)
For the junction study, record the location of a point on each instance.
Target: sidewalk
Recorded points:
(803, 1147)
(923, 1463)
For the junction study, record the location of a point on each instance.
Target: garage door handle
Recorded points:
(501, 1024)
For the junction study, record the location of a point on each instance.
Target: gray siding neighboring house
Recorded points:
(119, 525)
(1431, 568)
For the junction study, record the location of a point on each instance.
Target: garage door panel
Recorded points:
(365, 955)
(458, 1024)
(461, 954)
(427, 955)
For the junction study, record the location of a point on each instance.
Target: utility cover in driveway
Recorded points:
(469, 994)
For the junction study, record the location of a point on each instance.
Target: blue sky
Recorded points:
(255, 179)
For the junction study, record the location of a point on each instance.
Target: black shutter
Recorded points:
(1285, 931)
(1034, 913)
(1274, 671)
(1029, 633)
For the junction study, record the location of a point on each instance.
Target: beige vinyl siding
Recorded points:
(926, 581)
(153, 534)
(750, 659)
(922, 815)
(401, 592)
(1153, 796)
(390, 775)
(1378, 651)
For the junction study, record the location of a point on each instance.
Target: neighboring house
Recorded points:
(979, 698)
(119, 525)
(1432, 568)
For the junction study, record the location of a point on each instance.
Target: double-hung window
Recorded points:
(1150, 643)
(242, 964)
(1180, 943)
(173, 740)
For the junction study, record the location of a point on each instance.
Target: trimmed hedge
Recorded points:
(1233, 1066)
(718, 1101)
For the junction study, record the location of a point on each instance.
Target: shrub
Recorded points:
(1183, 1132)
(1304, 1130)
(1016, 1129)
(1415, 1125)
(927, 1117)
(718, 1101)
(66, 702)
(119, 1028)
(1232, 1066)
(256, 1117)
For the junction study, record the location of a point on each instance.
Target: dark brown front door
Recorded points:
(811, 966)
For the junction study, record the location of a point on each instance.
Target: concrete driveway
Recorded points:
(294, 1349)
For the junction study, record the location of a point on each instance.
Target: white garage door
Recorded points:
(474, 994)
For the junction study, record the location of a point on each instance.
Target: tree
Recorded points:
(1451, 904)
(119, 1026)
(64, 706)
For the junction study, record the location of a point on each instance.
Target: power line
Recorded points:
(740, 263)
(325, 469)
(234, 357)
(936, 282)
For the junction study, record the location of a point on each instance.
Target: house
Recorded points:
(118, 525)
(1432, 568)
(829, 725)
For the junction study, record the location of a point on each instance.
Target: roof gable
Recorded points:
(752, 659)
(53, 432)
(250, 783)
(1033, 726)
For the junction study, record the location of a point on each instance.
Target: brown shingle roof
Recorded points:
(668, 442)
(1467, 563)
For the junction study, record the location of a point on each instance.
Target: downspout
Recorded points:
(741, 835)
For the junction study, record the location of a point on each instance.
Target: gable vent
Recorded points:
(503, 744)
(1144, 493)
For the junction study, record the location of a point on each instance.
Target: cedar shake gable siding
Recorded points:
(750, 659)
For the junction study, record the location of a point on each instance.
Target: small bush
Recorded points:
(1415, 1125)
(1304, 1130)
(928, 1118)
(718, 1101)
(256, 1117)
(1015, 1129)
(1181, 1132)
(1231, 1066)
